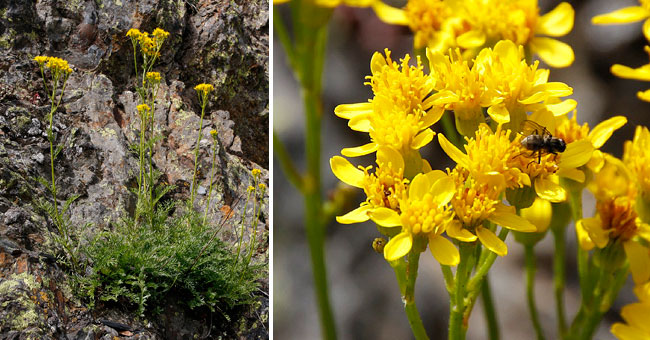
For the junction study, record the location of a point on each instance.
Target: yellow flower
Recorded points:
(134, 34)
(616, 219)
(40, 59)
(143, 108)
(625, 15)
(159, 35)
(570, 131)
(57, 65)
(501, 81)
(637, 158)
(204, 88)
(473, 24)
(262, 187)
(383, 188)
(254, 172)
(539, 214)
(153, 77)
(641, 73)
(636, 316)
(213, 133)
(476, 201)
(401, 112)
(147, 45)
(250, 189)
(424, 214)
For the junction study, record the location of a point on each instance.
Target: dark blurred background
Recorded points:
(363, 290)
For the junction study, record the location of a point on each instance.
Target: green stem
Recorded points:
(196, 150)
(530, 290)
(559, 277)
(490, 312)
(457, 322)
(406, 273)
(449, 278)
(214, 157)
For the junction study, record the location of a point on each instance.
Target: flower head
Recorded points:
(636, 316)
(424, 214)
(153, 77)
(213, 133)
(134, 33)
(143, 108)
(58, 66)
(637, 158)
(383, 188)
(159, 35)
(400, 113)
(204, 88)
(40, 59)
(255, 172)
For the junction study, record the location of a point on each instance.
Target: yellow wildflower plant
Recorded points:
(425, 214)
(476, 201)
(143, 108)
(616, 220)
(500, 80)
(383, 188)
(150, 44)
(625, 15)
(400, 114)
(153, 77)
(204, 88)
(636, 316)
(474, 24)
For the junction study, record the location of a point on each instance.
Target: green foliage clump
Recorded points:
(141, 265)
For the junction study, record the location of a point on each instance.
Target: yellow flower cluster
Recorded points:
(153, 77)
(56, 65)
(204, 88)
(143, 108)
(474, 24)
(150, 44)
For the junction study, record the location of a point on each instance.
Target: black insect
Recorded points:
(538, 140)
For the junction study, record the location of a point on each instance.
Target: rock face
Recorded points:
(224, 43)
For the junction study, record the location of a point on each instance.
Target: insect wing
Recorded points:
(529, 127)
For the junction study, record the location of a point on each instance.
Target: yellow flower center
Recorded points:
(424, 216)
(385, 187)
(619, 216)
(474, 202)
(491, 153)
(570, 131)
(426, 18)
(398, 104)
(502, 20)
(455, 75)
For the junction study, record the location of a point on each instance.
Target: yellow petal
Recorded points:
(553, 52)
(507, 50)
(642, 73)
(643, 292)
(539, 214)
(357, 215)
(594, 227)
(624, 332)
(621, 16)
(645, 95)
(385, 217)
(506, 217)
(636, 315)
(572, 173)
(452, 151)
(387, 155)
(443, 250)
(426, 167)
(639, 257)
(389, 14)
(584, 240)
(420, 186)
(360, 150)
(346, 172)
(377, 63)
(471, 39)
(491, 241)
(597, 161)
(434, 175)
(646, 30)
(563, 107)
(360, 123)
(443, 190)
(455, 230)
(398, 246)
(577, 154)
(423, 138)
(499, 113)
(432, 116)
(557, 22)
(549, 190)
(601, 132)
(552, 89)
(349, 111)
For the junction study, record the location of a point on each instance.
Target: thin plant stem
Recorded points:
(531, 267)
(196, 149)
(289, 169)
(559, 277)
(406, 273)
(214, 158)
(243, 219)
(490, 311)
(448, 276)
(457, 324)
